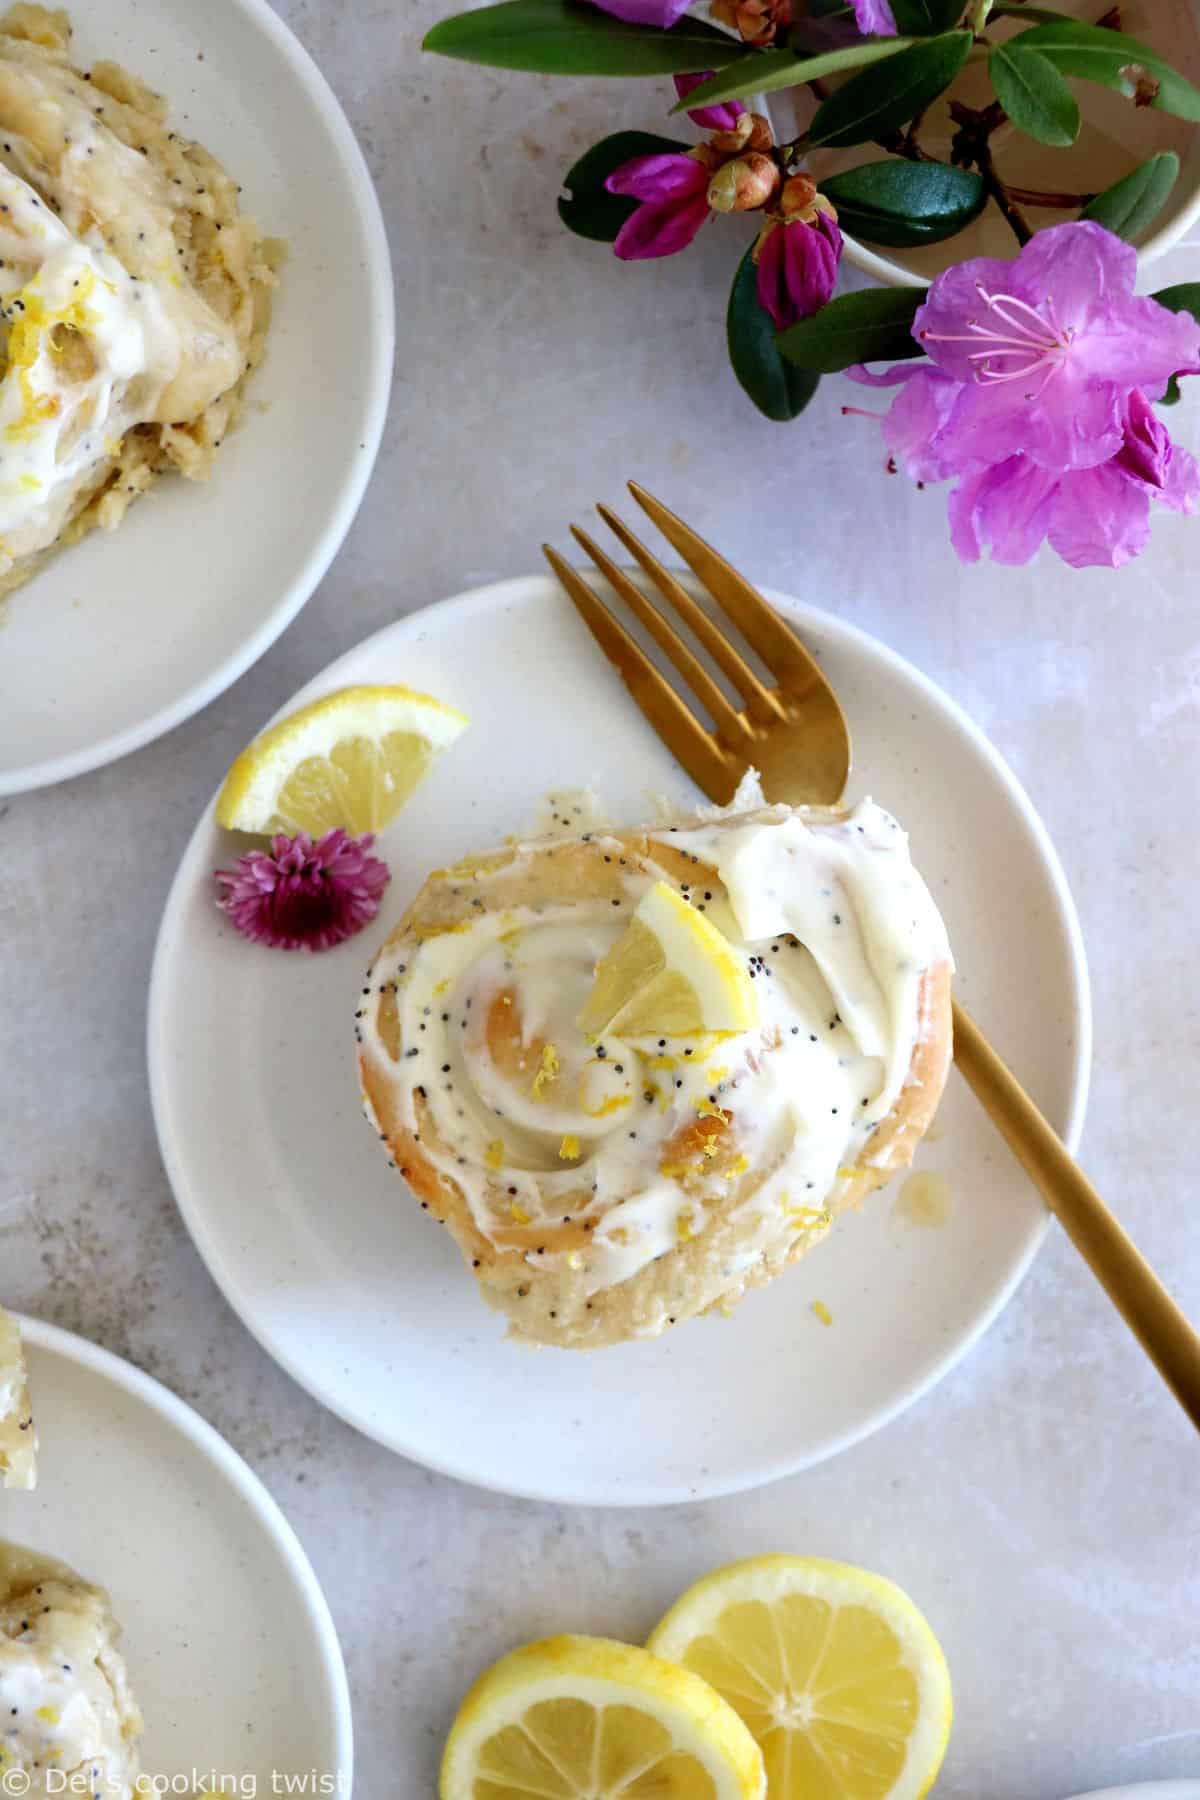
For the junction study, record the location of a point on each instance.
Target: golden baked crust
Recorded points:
(552, 1304)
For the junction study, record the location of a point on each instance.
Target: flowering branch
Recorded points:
(1033, 391)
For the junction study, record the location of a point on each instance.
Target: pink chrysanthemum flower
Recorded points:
(1038, 398)
(304, 896)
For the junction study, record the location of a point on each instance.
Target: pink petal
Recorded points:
(660, 230)
(913, 424)
(1079, 266)
(953, 301)
(672, 175)
(874, 18)
(721, 117)
(1135, 342)
(1101, 518)
(1008, 507)
(1057, 417)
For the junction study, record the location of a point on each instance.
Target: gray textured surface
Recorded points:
(1041, 1503)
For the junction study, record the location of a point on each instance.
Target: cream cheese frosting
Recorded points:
(835, 928)
(68, 1721)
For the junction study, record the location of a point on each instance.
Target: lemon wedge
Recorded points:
(834, 1671)
(583, 1718)
(350, 759)
(669, 973)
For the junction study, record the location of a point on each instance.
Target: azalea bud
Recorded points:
(746, 182)
(798, 194)
(761, 136)
(737, 137)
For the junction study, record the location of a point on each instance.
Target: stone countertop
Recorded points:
(533, 375)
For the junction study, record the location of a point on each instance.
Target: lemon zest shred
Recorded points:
(519, 1214)
(660, 1062)
(569, 1148)
(495, 1154)
(708, 1109)
(611, 1105)
(736, 1168)
(822, 1312)
(548, 1072)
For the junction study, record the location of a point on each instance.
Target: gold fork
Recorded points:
(795, 735)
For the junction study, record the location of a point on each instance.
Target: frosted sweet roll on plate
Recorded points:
(636, 1074)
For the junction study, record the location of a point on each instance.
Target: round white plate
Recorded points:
(231, 1650)
(1148, 1790)
(126, 635)
(332, 1265)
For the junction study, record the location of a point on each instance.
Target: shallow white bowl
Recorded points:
(123, 637)
(1114, 138)
(325, 1254)
(230, 1645)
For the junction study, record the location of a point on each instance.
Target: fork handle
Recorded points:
(1163, 1331)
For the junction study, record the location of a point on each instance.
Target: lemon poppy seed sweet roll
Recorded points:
(636, 1074)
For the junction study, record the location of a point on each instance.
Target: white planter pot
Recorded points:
(1115, 137)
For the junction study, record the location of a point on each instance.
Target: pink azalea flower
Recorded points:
(664, 13)
(722, 117)
(301, 895)
(673, 191)
(797, 267)
(1038, 399)
(874, 18)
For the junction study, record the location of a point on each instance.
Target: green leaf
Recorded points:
(882, 98)
(562, 37)
(775, 69)
(1113, 60)
(587, 208)
(1033, 94)
(777, 388)
(1041, 15)
(862, 327)
(1134, 202)
(905, 203)
(1184, 296)
(922, 18)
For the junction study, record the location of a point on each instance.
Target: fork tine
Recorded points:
(760, 701)
(728, 721)
(759, 623)
(675, 724)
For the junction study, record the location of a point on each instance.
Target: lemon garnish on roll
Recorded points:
(350, 759)
(670, 973)
(583, 1718)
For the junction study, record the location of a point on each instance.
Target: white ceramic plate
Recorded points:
(124, 636)
(230, 1646)
(332, 1265)
(1148, 1790)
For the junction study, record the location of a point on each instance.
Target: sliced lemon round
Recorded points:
(350, 759)
(582, 1718)
(670, 973)
(834, 1671)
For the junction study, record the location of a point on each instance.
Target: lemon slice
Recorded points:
(350, 759)
(582, 1718)
(670, 972)
(18, 1441)
(834, 1670)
